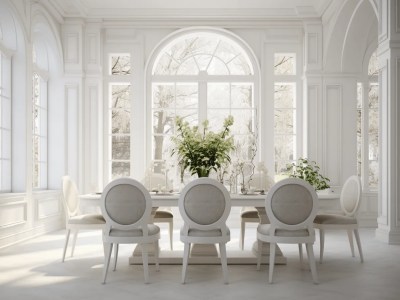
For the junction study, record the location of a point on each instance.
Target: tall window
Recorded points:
(198, 76)
(284, 110)
(5, 123)
(39, 131)
(120, 97)
(368, 127)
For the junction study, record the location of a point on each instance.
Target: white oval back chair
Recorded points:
(291, 206)
(205, 205)
(350, 199)
(74, 220)
(126, 206)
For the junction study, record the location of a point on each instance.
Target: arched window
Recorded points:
(368, 126)
(199, 75)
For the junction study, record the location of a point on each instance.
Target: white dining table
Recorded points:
(257, 200)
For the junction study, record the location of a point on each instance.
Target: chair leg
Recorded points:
(350, 235)
(115, 256)
(271, 260)
(357, 235)
(108, 249)
(171, 234)
(74, 242)
(224, 263)
(157, 255)
(186, 251)
(259, 254)
(66, 244)
(242, 231)
(301, 254)
(311, 261)
(321, 245)
(145, 258)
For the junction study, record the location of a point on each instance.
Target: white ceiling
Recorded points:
(125, 9)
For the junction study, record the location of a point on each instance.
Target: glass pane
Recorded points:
(373, 147)
(163, 121)
(121, 121)
(36, 89)
(359, 95)
(284, 152)
(285, 64)
(121, 96)
(226, 51)
(218, 95)
(189, 115)
(239, 66)
(373, 126)
(36, 120)
(163, 95)
(243, 147)
(120, 64)
(243, 121)
(186, 95)
(162, 147)
(120, 169)
(121, 147)
(188, 67)
(284, 121)
(373, 96)
(359, 142)
(373, 68)
(166, 65)
(203, 61)
(284, 96)
(373, 179)
(242, 96)
(217, 67)
(216, 118)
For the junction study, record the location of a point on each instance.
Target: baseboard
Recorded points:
(391, 237)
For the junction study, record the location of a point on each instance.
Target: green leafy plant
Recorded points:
(310, 172)
(202, 150)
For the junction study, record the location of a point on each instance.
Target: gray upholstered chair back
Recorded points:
(350, 196)
(126, 203)
(70, 197)
(204, 202)
(291, 203)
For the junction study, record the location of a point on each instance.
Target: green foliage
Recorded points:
(202, 150)
(309, 171)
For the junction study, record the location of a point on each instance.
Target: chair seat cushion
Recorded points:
(265, 230)
(249, 212)
(163, 214)
(153, 229)
(334, 219)
(204, 233)
(87, 219)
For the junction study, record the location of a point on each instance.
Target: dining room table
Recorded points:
(206, 255)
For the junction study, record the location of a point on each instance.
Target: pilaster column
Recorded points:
(389, 94)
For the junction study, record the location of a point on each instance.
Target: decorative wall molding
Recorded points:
(47, 204)
(71, 48)
(13, 212)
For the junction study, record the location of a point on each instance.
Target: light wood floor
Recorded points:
(33, 270)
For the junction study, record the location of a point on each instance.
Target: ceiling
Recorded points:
(139, 9)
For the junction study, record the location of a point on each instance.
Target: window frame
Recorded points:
(202, 79)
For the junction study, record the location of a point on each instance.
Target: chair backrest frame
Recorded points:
(278, 224)
(221, 222)
(143, 221)
(344, 200)
(71, 199)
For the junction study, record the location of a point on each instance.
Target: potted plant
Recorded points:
(310, 172)
(202, 150)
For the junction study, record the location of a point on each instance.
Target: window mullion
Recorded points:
(202, 101)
